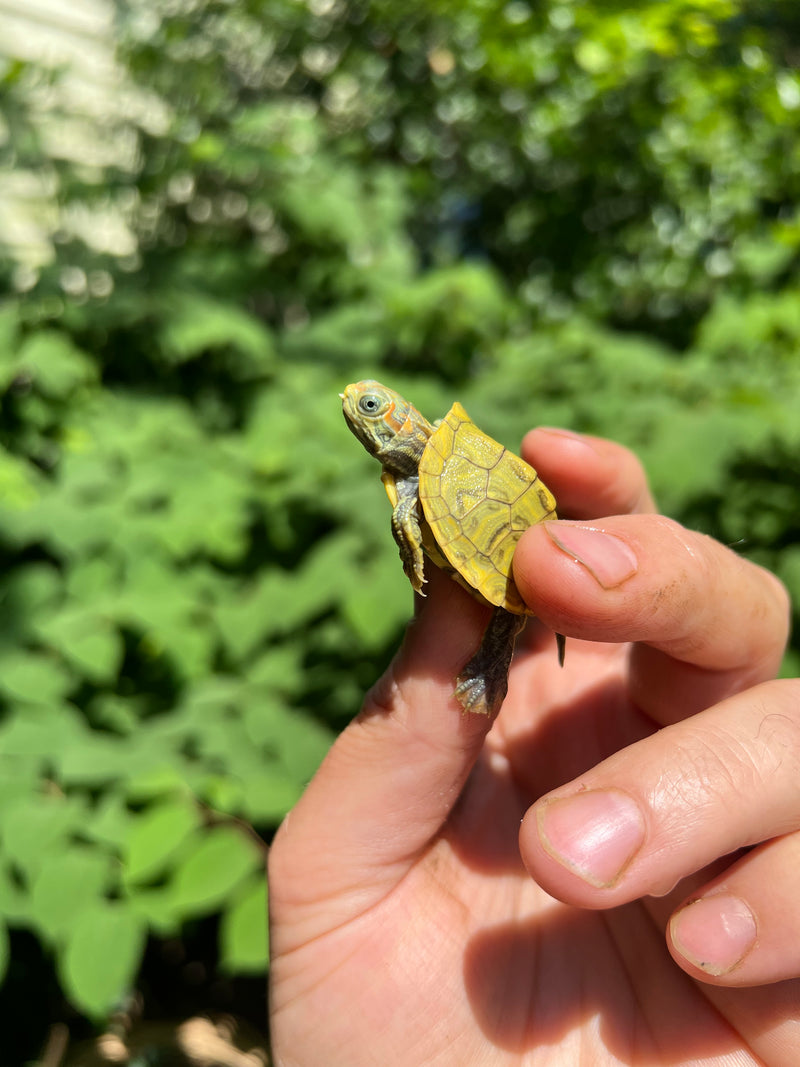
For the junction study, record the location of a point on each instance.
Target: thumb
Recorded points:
(389, 781)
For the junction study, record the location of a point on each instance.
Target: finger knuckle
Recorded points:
(724, 763)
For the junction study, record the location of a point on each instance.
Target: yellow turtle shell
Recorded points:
(478, 498)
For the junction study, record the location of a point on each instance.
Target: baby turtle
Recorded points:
(464, 500)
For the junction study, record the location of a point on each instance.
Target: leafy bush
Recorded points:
(568, 213)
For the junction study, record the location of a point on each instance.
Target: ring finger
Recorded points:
(743, 928)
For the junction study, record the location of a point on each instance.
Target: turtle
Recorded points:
(464, 500)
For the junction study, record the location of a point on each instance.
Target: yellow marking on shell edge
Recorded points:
(436, 461)
(546, 498)
(444, 434)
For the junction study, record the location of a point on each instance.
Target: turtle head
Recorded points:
(386, 424)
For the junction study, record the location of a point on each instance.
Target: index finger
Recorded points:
(589, 475)
(703, 621)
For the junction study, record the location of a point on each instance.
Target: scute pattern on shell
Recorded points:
(478, 498)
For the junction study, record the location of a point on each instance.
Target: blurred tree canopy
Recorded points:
(558, 211)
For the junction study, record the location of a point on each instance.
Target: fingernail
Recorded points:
(578, 438)
(595, 834)
(608, 559)
(714, 933)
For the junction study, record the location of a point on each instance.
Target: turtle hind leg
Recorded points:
(482, 685)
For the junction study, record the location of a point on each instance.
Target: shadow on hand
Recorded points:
(562, 741)
(535, 983)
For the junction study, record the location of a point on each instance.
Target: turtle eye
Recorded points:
(370, 404)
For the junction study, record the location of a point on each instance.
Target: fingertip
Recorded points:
(711, 937)
(576, 589)
(742, 928)
(589, 475)
(579, 847)
(554, 446)
(538, 569)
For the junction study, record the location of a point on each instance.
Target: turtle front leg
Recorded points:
(482, 685)
(407, 533)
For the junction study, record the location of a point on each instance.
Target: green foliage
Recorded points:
(566, 213)
(100, 955)
(244, 929)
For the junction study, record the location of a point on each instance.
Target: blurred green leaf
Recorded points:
(34, 677)
(378, 605)
(195, 325)
(5, 951)
(35, 826)
(67, 882)
(157, 908)
(266, 797)
(101, 957)
(14, 898)
(53, 364)
(155, 835)
(243, 932)
(211, 868)
(85, 639)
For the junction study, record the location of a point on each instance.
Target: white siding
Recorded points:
(84, 116)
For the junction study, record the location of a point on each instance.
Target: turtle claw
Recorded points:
(415, 571)
(478, 694)
(414, 566)
(482, 685)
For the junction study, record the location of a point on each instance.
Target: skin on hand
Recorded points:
(604, 876)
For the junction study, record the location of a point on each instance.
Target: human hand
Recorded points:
(420, 911)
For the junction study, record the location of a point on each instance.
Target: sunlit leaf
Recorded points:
(54, 364)
(101, 956)
(67, 882)
(219, 860)
(155, 835)
(36, 825)
(196, 325)
(86, 639)
(243, 931)
(34, 677)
